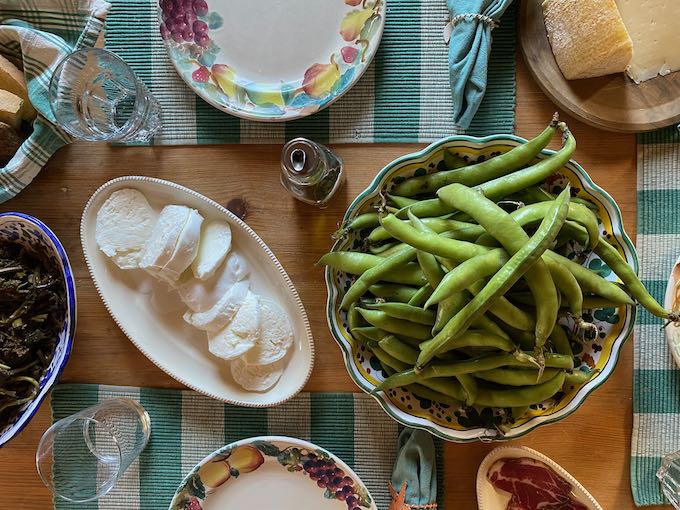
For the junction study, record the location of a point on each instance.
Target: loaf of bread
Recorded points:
(12, 80)
(11, 109)
(588, 37)
(10, 141)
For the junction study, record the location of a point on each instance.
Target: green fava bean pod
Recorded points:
(618, 264)
(467, 273)
(501, 282)
(489, 169)
(426, 209)
(500, 225)
(462, 229)
(366, 220)
(469, 385)
(517, 181)
(397, 326)
(590, 282)
(358, 263)
(400, 202)
(398, 349)
(421, 295)
(514, 377)
(388, 361)
(560, 341)
(431, 242)
(405, 311)
(375, 274)
(569, 288)
(430, 394)
(520, 396)
(392, 292)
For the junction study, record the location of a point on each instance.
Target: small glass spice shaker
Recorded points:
(310, 171)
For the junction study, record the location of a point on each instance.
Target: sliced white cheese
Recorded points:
(276, 336)
(653, 27)
(256, 377)
(241, 334)
(124, 223)
(161, 245)
(201, 295)
(185, 250)
(217, 317)
(213, 249)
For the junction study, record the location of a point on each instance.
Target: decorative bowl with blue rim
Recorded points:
(598, 353)
(37, 237)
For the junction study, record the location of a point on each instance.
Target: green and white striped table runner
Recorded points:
(186, 426)
(656, 391)
(403, 97)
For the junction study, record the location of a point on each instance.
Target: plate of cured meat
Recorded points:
(506, 474)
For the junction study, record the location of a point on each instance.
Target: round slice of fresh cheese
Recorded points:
(185, 249)
(201, 295)
(160, 246)
(256, 377)
(276, 336)
(240, 334)
(213, 249)
(217, 317)
(124, 223)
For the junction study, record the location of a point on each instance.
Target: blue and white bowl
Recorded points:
(37, 237)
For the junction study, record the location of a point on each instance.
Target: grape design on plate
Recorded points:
(181, 21)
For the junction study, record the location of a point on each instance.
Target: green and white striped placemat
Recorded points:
(404, 96)
(656, 390)
(187, 426)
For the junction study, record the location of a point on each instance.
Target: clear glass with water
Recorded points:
(669, 477)
(96, 96)
(81, 457)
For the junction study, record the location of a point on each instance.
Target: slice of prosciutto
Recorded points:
(532, 485)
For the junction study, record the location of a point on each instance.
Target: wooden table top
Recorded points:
(593, 443)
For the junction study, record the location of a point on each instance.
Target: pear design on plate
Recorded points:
(320, 78)
(243, 459)
(225, 79)
(354, 23)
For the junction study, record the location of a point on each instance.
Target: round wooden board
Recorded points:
(613, 102)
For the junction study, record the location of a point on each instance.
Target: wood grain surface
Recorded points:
(613, 102)
(593, 443)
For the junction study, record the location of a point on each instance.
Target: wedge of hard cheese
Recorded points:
(12, 80)
(11, 109)
(588, 37)
(654, 27)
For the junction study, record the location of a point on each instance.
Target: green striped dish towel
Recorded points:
(656, 390)
(404, 96)
(187, 426)
(39, 33)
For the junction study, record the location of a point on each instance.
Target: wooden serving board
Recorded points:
(613, 102)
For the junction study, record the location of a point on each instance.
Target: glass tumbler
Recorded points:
(95, 96)
(669, 476)
(81, 457)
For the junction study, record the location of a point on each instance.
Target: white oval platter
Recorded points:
(162, 335)
(488, 498)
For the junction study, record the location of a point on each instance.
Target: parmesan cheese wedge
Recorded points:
(11, 109)
(588, 37)
(123, 226)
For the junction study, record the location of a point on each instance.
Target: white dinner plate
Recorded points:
(271, 60)
(272, 472)
(161, 333)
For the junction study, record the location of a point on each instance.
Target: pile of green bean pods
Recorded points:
(461, 283)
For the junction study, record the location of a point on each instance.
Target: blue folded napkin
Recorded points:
(414, 479)
(469, 47)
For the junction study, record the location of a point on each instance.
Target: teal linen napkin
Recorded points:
(415, 471)
(40, 33)
(469, 51)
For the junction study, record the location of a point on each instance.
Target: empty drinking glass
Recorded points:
(669, 476)
(95, 96)
(81, 457)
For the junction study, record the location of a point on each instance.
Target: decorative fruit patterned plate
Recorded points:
(599, 352)
(271, 60)
(272, 472)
